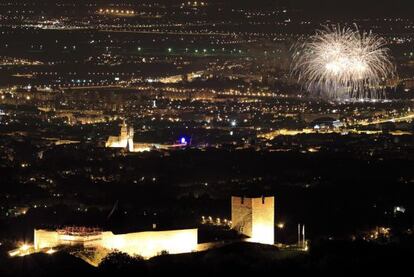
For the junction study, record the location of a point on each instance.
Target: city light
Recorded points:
(51, 251)
(25, 247)
(183, 140)
(151, 137)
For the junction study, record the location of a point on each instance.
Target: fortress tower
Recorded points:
(254, 217)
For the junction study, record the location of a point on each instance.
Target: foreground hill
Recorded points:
(41, 264)
(326, 257)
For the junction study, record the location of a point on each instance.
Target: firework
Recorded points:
(343, 63)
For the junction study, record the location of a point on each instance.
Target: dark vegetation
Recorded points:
(325, 257)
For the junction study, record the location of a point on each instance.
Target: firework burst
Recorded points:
(343, 63)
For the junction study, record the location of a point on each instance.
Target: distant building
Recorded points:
(125, 140)
(254, 217)
(324, 123)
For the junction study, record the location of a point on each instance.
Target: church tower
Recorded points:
(131, 139)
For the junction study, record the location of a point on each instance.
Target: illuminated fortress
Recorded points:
(145, 244)
(254, 217)
(251, 216)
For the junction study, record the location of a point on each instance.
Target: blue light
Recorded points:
(183, 140)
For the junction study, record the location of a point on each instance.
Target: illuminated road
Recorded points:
(381, 121)
(166, 32)
(91, 87)
(286, 132)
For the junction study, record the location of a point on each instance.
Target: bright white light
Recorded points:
(24, 247)
(51, 251)
(262, 233)
(343, 63)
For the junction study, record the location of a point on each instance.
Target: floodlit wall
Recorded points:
(143, 147)
(254, 217)
(241, 215)
(117, 142)
(263, 230)
(146, 244)
(149, 244)
(45, 239)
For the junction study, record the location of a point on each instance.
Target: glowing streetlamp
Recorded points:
(25, 247)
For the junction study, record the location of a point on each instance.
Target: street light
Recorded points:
(280, 226)
(25, 247)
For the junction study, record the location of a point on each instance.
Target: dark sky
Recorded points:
(341, 7)
(356, 6)
(348, 8)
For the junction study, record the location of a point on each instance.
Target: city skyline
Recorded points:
(206, 137)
